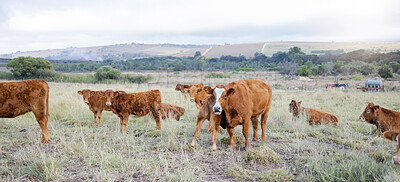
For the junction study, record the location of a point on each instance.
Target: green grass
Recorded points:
(79, 150)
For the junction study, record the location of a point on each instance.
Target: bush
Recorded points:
(245, 69)
(6, 75)
(218, 75)
(28, 67)
(139, 78)
(367, 69)
(107, 72)
(303, 71)
(385, 71)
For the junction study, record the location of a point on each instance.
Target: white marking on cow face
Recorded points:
(217, 106)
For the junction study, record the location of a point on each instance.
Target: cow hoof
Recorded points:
(243, 149)
(396, 160)
(23, 130)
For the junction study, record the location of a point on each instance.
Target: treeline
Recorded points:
(292, 62)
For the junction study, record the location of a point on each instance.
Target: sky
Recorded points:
(27, 25)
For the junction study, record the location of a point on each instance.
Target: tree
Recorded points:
(303, 71)
(28, 67)
(385, 71)
(395, 66)
(197, 54)
(322, 69)
(107, 72)
(367, 69)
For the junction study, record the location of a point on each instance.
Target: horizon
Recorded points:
(44, 24)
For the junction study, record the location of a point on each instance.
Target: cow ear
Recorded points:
(230, 92)
(208, 89)
(199, 90)
(376, 108)
(92, 92)
(390, 135)
(80, 92)
(299, 103)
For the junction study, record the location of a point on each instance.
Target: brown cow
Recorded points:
(174, 111)
(96, 102)
(314, 116)
(205, 101)
(383, 119)
(18, 98)
(184, 89)
(138, 104)
(394, 136)
(197, 94)
(243, 102)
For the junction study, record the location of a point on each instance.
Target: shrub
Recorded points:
(6, 75)
(385, 71)
(107, 72)
(218, 75)
(367, 69)
(139, 78)
(245, 69)
(303, 71)
(28, 67)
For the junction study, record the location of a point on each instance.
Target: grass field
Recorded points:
(79, 150)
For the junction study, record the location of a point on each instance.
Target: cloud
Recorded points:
(47, 24)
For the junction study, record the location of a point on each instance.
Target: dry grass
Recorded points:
(81, 151)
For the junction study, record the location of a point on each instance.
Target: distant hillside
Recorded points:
(130, 51)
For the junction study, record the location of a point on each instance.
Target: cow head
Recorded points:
(109, 95)
(86, 94)
(179, 87)
(221, 95)
(294, 107)
(394, 136)
(370, 113)
(199, 93)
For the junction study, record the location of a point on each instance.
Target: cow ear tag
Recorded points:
(377, 109)
(231, 94)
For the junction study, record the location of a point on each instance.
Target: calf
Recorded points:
(169, 110)
(184, 89)
(204, 102)
(383, 119)
(243, 102)
(314, 116)
(18, 98)
(394, 136)
(96, 102)
(138, 104)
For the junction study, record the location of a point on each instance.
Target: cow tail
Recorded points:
(47, 103)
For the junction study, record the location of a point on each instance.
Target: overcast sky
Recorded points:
(50, 24)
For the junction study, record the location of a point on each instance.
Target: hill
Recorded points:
(134, 50)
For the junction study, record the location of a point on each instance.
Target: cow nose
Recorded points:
(108, 103)
(86, 101)
(217, 109)
(191, 99)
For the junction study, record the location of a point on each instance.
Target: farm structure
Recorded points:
(372, 85)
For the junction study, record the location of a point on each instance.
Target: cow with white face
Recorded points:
(243, 102)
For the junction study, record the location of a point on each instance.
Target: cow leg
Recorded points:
(245, 131)
(254, 121)
(126, 119)
(264, 118)
(215, 133)
(42, 119)
(199, 122)
(95, 117)
(121, 120)
(231, 131)
(156, 116)
(99, 116)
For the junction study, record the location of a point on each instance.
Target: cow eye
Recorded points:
(368, 111)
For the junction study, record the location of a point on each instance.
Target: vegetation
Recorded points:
(107, 72)
(79, 150)
(29, 67)
(331, 63)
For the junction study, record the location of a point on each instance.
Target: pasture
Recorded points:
(79, 150)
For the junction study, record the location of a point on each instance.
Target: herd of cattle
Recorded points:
(237, 103)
